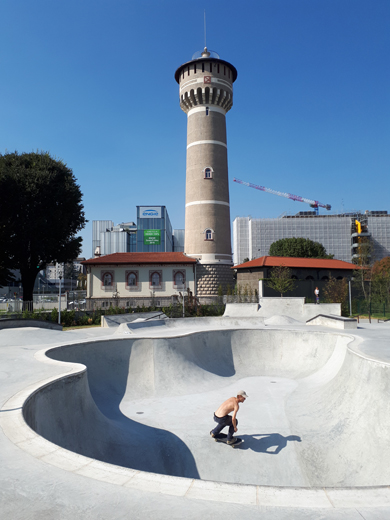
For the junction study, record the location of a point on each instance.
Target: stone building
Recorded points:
(206, 95)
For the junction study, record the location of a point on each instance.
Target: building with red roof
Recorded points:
(309, 273)
(131, 279)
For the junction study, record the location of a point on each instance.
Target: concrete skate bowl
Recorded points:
(317, 413)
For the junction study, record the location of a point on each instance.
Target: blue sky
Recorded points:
(92, 82)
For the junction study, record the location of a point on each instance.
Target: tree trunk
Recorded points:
(28, 281)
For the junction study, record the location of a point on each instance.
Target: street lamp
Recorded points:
(59, 294)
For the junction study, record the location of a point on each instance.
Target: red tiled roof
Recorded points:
(313, 263)
(140, 258)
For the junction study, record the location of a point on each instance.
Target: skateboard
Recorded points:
(222, 437)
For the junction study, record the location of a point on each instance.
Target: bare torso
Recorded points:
(228, 406)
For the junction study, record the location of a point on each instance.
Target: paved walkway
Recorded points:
(39, 481)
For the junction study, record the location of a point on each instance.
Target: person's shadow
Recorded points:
(271, 443)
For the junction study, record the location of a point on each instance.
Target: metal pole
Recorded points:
(59, 301)
(350, 298)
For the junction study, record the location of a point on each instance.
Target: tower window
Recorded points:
(218, 68)
(224, 71)
(188, 70)
(208, 173)
(202, 67)
(229, 73)
(195, 68)
(211, 67)
(208, 234)
(207, 111)
(183, 73)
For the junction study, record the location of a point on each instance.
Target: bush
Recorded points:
(54, 316)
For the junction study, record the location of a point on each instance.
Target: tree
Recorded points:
(336, 291)
(381, 280)
(40, 214)
(364, 275)
(71, 273)
(82, 281)
(280, 279)
(298, 248)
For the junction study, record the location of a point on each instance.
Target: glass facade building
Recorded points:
(252, 238)
(153, 218)
(153, 233)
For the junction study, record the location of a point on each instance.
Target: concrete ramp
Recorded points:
(187, 325)
(148, 403)
(238, 310)
(335, 322)
(295, 308)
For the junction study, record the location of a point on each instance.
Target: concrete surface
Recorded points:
(292, 307)
(17, 323)
(315, 424)
(335, 322)
(113, 320)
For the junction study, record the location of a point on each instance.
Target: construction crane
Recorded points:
(313, 203)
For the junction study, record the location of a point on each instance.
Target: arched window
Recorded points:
(155, 279)
(131, 280)
(107, 279)
(179, 279)
(208, 172)
(325, 278)
(209, 234)
(309, 278)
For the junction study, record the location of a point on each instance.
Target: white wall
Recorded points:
(95, 289)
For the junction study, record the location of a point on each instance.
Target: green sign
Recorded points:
(152, 237)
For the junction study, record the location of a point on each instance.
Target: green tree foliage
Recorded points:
(70, 272)
(381, 280)
(336, 291)
(298, 248)
(280, 280)
(364, 275)
(40, 214)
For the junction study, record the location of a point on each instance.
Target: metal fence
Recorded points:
(365, 308)
(72, 300)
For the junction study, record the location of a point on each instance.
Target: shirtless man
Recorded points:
(222, 417)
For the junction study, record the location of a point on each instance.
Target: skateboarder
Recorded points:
(317, 293)
(222, 417)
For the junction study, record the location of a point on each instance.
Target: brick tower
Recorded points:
(206, 94)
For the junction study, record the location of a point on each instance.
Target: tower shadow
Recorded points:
(271, 443)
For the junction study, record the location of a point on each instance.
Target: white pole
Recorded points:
(59, 301)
